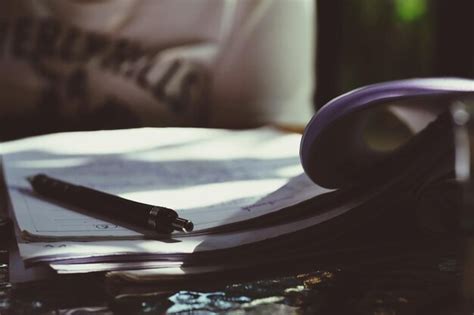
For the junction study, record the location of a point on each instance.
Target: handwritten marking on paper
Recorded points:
(105, 226)
(54, 245)
(264, 203)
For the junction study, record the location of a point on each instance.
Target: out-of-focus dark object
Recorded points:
(6, 229)
(367, 41)
(463, 124)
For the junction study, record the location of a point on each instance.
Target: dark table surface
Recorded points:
(423, 280)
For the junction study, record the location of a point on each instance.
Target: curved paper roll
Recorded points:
(332, 151)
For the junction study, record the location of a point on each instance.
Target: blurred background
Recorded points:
(105, 64)
(367, 41)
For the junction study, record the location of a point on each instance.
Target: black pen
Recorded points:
(156, 218)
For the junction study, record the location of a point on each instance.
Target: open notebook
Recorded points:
(215, 178)
(212, 177)
(240, 188)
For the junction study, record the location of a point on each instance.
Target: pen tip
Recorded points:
(183, 225)
(188, 227)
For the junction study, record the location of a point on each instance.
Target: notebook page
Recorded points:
(211, 177)
(138, 250)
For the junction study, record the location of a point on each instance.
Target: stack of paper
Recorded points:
(252, 205)
(238, 188)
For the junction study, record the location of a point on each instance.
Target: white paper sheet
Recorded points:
(137, 249)
(68, 268)
(211, 177)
